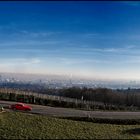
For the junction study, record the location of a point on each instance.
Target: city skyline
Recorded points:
(88, 39)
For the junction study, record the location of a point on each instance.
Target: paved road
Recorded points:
(67, 112)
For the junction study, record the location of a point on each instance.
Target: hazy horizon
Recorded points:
(86, 39)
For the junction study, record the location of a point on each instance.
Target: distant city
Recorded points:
(60, 81)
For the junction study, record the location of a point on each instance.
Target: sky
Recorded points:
(89, 39)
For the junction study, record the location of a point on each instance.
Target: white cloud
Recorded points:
(19, 61)
(90, 35)
(29, 42)
(37, 33)
(19, 65)
(31, 61)
(73, 61)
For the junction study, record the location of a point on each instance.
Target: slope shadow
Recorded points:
(135, 131)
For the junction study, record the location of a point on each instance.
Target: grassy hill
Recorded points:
(17, 125)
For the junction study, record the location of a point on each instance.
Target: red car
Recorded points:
(21, 106)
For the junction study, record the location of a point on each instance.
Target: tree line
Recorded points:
(107, 96)
(108, 99)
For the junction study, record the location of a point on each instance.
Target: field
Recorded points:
(16, 125)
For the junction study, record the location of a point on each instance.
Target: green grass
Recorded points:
(16, 125)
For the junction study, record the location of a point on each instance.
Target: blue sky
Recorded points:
(90, 39)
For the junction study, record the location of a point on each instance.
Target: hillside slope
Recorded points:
(16, 125)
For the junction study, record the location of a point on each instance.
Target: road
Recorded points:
(67, 112)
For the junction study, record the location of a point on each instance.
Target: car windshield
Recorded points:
(20, 104)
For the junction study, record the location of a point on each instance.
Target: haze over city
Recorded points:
(89, 39)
